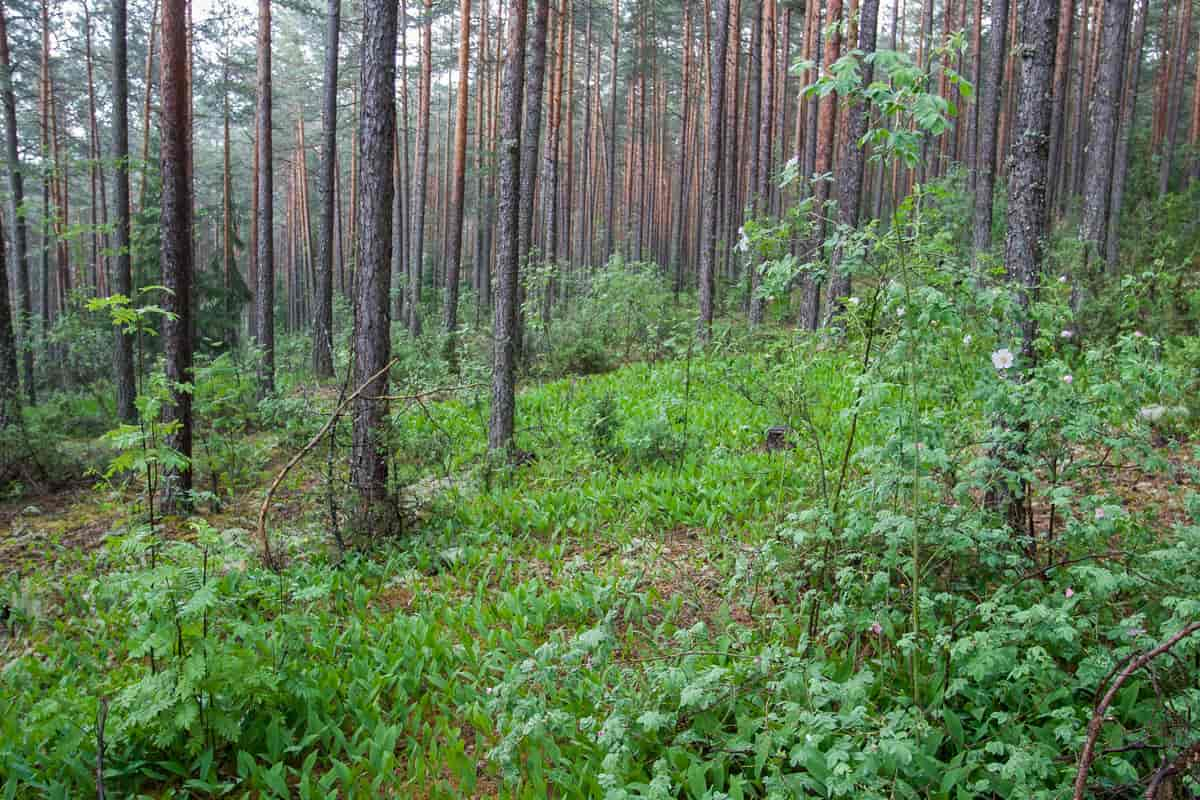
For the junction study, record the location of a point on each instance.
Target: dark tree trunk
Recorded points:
(1062, 85)
(853, 161)
(10, 381)
(126, 385)
(989, 125)
(421, 179)
(1174, 97)
(1102, 138)
(458, 179)
(1125, 134)
(17, 196)
(323, 329)
(712, 169)
(372, 335)
(176, 253)
(681, 187)
(504, 321)
(264, 296)
(610, 192)
(531, 128)
(1027, 203)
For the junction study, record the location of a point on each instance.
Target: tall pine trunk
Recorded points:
(323, 329)
(176, 251)
(17, 197)
(372, 321)
(712, 169)
(458, 179)
(421, 179)
(505, 320)
(989, 125)
(264, 295)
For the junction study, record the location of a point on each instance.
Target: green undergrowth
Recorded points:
(657, 605)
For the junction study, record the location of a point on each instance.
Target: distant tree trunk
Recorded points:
(989, 123)
(1105, 111)
(10, 381)
(762, 131)
(1174, 97)
(146, 113)
(712, 169)
(99, 207)
(227, 206)
(1125, 133)
(372, 336)
(421, 179)
(1194, 135)
(610, 195)
(401, 205)
(810, 314)
(264, 296)
(323, 329)
(1062, 85)
(681, 170)
(483, 202)
(504, 321)
(459, 178)
(531, 128)
(17, 196)
(176, 254)
(853, 161)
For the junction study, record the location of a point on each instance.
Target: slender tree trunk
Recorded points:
(372, 334)
(1027, 192)
(16, 185)
(1125, 133)
(264, 311)
(146, 113)
(1062, 85)
(989, 123)
(504, 321)
(10, 380)
(176, 253)
(1106, 102)
(531, 135)
(122, 274)
(1174, 98)
(323, 329)
(99, 210)
(712, 169)
(853, 161)
(762, 157)
(681, 170)
(810, 314)
(610, 196)
(421, 179)
(458, 179)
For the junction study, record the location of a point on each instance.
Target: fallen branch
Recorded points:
(1097, 721)
(333, 418)
(410, 398)
(1189, 758)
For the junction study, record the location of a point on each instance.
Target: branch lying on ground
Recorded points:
(333, 418)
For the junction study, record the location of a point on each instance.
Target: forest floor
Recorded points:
(638, 548)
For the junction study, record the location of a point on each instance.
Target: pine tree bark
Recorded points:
(1125, 133)
(712, 169)
(458, 180)
(421, 178)
(16, 185)
(176, 253)
(989, 124)
(323, 329)
(531, 128)
(10, 380)
(1062, 85)
(681, 171)
(853, 160)
(122, 272)
(264, 296)
(610, 193)
(504, 321)
(372, 321)
(1174, 97)
(1104, 116)
(810, 313)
